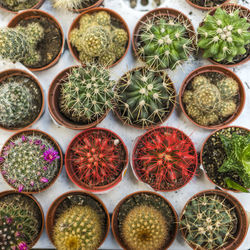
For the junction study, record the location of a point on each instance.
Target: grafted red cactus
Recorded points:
(165, 158)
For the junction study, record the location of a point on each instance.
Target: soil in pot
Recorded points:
(208, 3)
(18, 5)
(21, 221)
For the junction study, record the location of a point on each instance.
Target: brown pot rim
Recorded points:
(159, 11)
(10, 72)
(202, 7)
(92, 10)
(31, 13)
(10, 192)
(232, 200)
(97, 4)
(120, 203)
(54, 205)
(54, 109)
(221, 70)
(202, 149)
(150, 131)
(99, 189)
(24, 131)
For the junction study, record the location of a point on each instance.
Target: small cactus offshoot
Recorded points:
(17, 5)
(72, 4)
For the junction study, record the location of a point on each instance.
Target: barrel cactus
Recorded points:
(72, 4)
(224, 35)
(17, 5)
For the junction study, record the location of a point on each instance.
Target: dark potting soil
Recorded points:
(51, 44)
(18, 5)
(208, 3)
(214, 155)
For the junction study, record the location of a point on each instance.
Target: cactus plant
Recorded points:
(86, 94)
(145, 97)
(17, 5)
(224, 35)
(98, 40)
(72, 4)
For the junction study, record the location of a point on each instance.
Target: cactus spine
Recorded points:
(17, 5)
(72, 4)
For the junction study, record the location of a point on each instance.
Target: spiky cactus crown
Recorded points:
(224, 36)
(72, 4)
(97, 39)
(29, 162)
(16, 5)
(164, 158)
(86, 94)
(209, 222)
(145, 97)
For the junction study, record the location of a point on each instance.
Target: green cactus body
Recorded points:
(224, 35)
(17, 5)
(87, 94)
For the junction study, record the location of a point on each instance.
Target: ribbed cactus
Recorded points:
(225, 35)
(87, 94)
(208, 222)
(163, 42)
(97, 39)
(16, 5)
(19, 43)
(72, 4)
(145, 97)
(29, 163)
(79, 227)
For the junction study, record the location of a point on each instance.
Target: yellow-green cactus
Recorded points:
(17, 5)
(228, 87)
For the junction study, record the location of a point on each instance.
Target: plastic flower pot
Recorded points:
(35, 203)
(202, 7)
(36, 14)
(140, 198)
(17, 72)
(242, 225)
(96, 160)
(164, 158)
(97, 4)
(63, 202)
(221, 70)
(114, 16)
(48, 168)
(218, 152)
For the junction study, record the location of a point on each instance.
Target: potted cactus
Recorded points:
(99, 35)
(21, 99)
(81, 97)
(21, 221)
(144, 220)
(164, 38)
(17, 5)
(206, 4)
(212, 97)
(213, 219)
(30, 161)
(96, 160)
(145, 98)
(225, 158)
(90, 217)
(164, 158)
(224, 35)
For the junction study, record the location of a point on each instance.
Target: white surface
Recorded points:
(178, 120)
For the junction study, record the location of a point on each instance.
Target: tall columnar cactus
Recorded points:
(208, 222)
(145, 97)
(72, 4)
(20, 43)
(87, 94)
(224, 36)
(97, 39)
(16, 5)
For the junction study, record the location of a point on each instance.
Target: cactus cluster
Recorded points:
(98, 40)
(72, 4)
(208, 103)
(224, 35)
(17, 5)
(86, 94)
(145, 97)
(20, 102)
(209, 222)
(20, 43)
(29, 162)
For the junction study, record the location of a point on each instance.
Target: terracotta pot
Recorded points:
(201, 158)
(36, 6)
(18, 72)
(77, 181)
(142, 139)
(168, 12)
(114, 15)
(114, 221)
(30, 14)
(116, 111)
(241, 214)
(12, 192)
(243, 12)
(31, 131)
(50, 218)
(221, 70)
(97, 4)
(201, 7)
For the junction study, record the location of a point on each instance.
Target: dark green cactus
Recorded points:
(17, 5)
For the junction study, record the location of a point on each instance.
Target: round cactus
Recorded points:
(17, 5)
(72, 4)
(228, 87)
